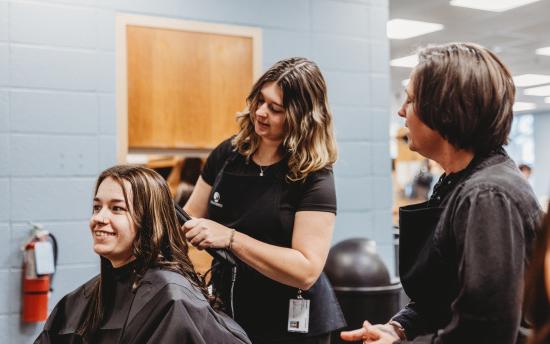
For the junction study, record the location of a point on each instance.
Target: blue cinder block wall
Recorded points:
(57, 116)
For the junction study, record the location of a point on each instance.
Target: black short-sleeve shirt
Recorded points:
(316, 193)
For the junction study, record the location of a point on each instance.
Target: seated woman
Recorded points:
(147, 291)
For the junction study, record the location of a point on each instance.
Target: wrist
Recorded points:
(229, 245)
(398, 328)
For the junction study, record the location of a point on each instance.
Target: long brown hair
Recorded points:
(159, 240)
(309, 140)
(538, 306)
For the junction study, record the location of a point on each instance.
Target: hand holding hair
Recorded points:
(204, 233)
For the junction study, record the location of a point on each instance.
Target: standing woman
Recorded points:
(463, 253)
(267, 195)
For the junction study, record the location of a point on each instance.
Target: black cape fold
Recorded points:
(165, 309)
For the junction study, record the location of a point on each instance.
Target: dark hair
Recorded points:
(536, 295)
(159, 241)
(525, 167)
(191, 170)
(309, 135)
(465, 93)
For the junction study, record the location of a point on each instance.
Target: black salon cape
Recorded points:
(166, 309)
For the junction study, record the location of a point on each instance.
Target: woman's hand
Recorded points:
(372, 334)
(204, 233)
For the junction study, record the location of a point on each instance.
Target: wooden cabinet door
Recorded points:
(185, 87)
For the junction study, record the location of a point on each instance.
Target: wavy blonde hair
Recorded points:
(309, 140)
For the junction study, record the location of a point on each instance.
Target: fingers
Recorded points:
(204, 233)
(197, 233)
(368, 333)
(355, 335)
(190, 224)
(194, 232)
(197, 239)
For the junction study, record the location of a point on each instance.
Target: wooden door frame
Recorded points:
(121, 64)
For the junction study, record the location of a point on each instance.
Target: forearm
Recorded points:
(285, 265)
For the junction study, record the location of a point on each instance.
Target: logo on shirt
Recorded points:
(216, 200)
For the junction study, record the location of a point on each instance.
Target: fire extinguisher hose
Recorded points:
(54, 246)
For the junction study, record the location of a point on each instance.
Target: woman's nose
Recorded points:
(102, 216)
(402, 112)
(262, 110)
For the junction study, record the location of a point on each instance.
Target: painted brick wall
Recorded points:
(57, 116)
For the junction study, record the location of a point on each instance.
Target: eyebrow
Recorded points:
(274, 103)
(116, 200)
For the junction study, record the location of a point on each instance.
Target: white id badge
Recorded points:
(43, 253)
(298, 315)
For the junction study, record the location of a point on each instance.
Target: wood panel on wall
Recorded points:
(185, 87)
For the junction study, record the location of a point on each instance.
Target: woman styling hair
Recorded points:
(267, 195)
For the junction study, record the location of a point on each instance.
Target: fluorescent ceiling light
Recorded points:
(404, 28)
(543, 51)
(547, 100)
(405, 82)
(407, 61)
(538, 91)
(491, 5)
(522, 106)
(526, 80)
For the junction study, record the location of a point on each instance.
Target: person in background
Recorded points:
(526, 170)
(464, 252)
(267, 195)
(189, 174)
(147, 291)
(537, 288)
(423, 181)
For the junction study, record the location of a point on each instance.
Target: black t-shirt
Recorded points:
(317, 193)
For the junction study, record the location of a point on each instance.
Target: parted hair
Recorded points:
(465, 93)
(159, 240)
(536, 294)
(309, 139)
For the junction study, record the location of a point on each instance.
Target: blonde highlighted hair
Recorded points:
(309, 135)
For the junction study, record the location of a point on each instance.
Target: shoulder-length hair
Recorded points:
(536, 293)
(465, 93)
(309, 140)
(159, 241)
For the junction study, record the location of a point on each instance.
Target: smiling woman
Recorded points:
(112, 227)
(147, 291)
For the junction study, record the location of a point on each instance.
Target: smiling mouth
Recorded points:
(103, 234)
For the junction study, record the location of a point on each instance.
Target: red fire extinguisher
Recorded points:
(39, 262)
